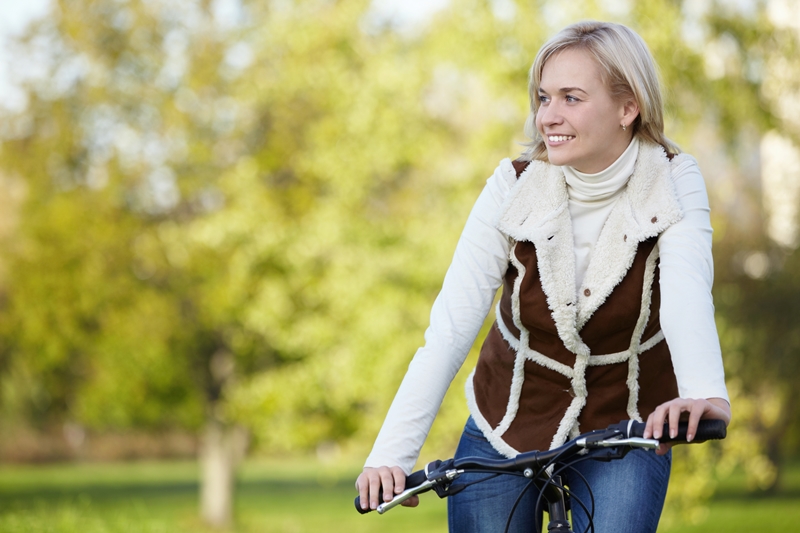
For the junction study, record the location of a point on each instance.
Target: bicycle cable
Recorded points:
(536, 511)
(539, 509)
(574, 498)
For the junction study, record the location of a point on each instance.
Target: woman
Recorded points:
(601, 239)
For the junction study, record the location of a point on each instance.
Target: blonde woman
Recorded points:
(599, 235)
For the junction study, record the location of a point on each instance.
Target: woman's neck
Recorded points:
(606, 183)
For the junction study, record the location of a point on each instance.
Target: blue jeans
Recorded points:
(628, 493)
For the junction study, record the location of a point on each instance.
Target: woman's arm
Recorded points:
(687, 311)
(686, 274)
(469, 288)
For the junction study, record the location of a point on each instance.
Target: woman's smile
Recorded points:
(555, 140)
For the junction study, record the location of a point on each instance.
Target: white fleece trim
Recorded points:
(504, 331)
(568, 424)
(652, 341)
(518, 377)
(514, 394)
(497, 443)
(610, 359)
(530, 353)
(636, 338)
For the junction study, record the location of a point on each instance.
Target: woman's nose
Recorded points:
(550, 115)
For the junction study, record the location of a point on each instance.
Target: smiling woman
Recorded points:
(600, 237)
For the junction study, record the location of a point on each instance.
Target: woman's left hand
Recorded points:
(672, 411)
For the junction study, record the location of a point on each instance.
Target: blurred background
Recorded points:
(223, 224)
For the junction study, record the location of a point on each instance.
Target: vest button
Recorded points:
(625, 238)
(654, 220)
(571, 392)
(587, 292)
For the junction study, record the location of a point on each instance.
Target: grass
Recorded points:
(287, 496)
(735, 510)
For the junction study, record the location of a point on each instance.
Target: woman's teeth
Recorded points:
(560, 138)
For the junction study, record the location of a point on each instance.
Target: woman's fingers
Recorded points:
(675, 410)
(671, 412)
(362, 486)
(398, 481)
(668, 413)
(387, 481)
(371, 480)
(369, 486)
(697, 412)
(655, 422)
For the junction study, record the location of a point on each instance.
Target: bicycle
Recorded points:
(545, 468)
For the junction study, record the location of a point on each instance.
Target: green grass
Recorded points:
(287, 496)
(735, 510)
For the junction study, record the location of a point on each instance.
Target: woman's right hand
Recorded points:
(393, 481)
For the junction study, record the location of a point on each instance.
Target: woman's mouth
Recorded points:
(560, 138)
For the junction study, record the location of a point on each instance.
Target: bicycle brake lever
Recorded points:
(634, 442)
(406, 494)
(439, 480)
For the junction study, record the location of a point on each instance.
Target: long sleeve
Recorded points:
(687, 273)
(471, 282)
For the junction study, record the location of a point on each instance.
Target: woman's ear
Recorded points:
(630, 111)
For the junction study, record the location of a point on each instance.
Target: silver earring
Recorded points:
(624, 127)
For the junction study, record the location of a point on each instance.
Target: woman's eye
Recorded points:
(571, 98)
(542, 99)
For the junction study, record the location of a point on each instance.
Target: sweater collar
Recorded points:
(606, 183)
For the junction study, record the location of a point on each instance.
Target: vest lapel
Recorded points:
(647, 207)
(536, 211)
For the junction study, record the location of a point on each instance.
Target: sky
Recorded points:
(14, 16)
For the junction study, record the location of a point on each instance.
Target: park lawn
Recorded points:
(281, 496)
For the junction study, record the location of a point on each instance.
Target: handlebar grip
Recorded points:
(413, 480)
(706, 430)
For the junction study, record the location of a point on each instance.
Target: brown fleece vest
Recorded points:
(546, 394)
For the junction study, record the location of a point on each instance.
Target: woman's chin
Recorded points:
(557, 159)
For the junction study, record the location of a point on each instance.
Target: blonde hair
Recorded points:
(627, 68)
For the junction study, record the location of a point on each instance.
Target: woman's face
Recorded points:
(578, 119)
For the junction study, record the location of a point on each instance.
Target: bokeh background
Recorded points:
(223, 223)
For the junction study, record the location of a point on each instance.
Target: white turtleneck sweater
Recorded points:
(591, 199)
(480, 263)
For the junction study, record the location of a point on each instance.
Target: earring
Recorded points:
(624, 127)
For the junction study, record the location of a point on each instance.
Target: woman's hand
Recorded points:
(393, 481)
(672, 411)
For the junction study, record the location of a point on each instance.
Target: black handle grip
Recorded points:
(413, 480)
(706, 430)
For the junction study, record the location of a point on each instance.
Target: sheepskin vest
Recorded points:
(556, 363)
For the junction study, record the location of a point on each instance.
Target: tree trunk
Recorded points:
(221, 450)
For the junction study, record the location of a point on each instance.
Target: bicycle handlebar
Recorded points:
(627, 433)
(706, 430)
